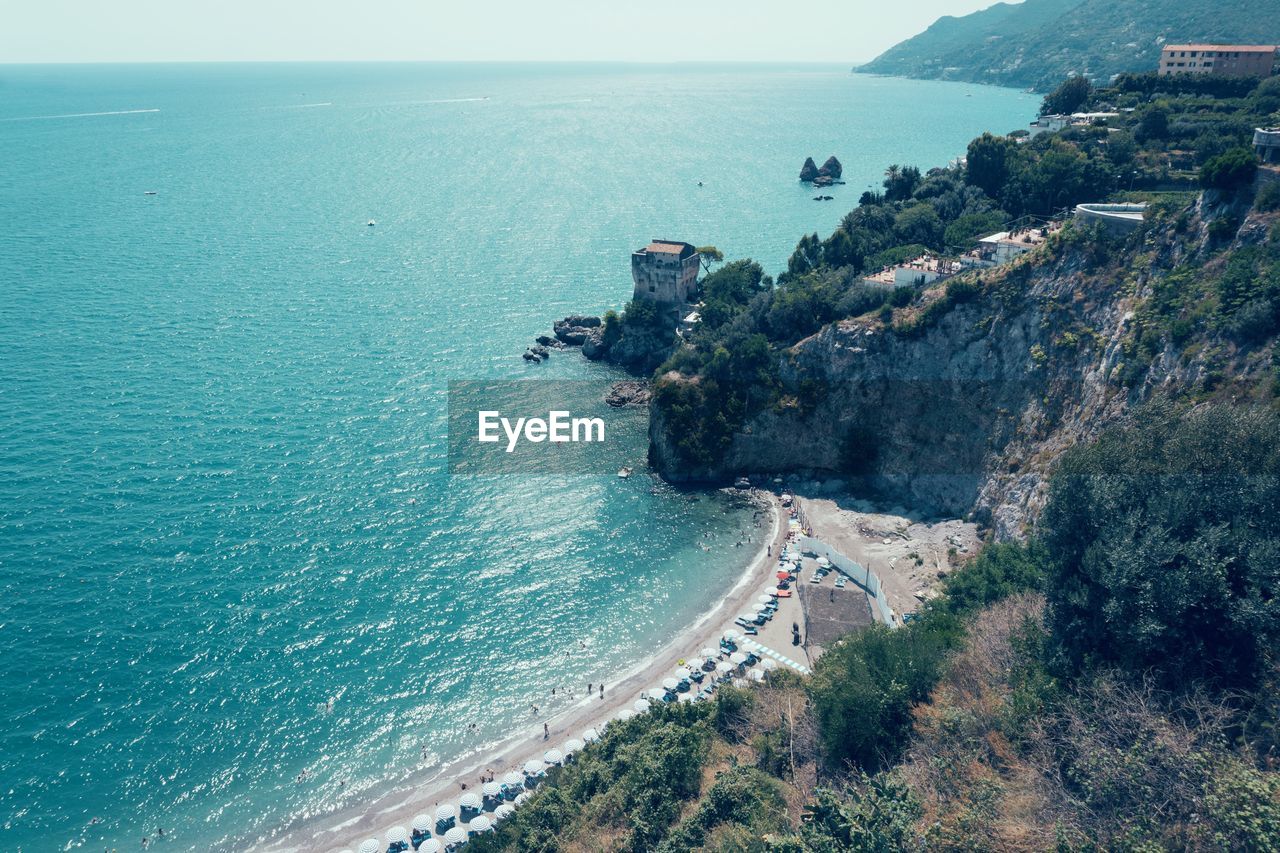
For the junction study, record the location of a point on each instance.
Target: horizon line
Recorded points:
(837, 62)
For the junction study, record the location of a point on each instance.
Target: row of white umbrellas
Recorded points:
(470, 801)
(554, 757)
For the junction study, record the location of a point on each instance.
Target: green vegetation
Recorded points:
(1038, 43)
(1229, 170)
(1068, 98)
(1164, 539)
(1135, 708)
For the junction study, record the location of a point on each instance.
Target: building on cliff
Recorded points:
(923, 270)
(1005, 246)
(1219, 60)
(1266, 144)
(666, 272)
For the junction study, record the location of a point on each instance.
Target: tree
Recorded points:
(962, 233)
(1163, 543)
(919, 223)
(1230, 170)
(710, 255)
(1154, 123)
(900, 182)
(806, 257)
(1070, 96)
(986, 164)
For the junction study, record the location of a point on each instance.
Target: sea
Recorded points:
(240, 587)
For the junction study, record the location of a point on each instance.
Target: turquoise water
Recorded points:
(230, 552)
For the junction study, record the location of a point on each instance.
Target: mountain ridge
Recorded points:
(1035, 44)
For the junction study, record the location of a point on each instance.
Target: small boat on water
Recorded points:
(372, 223)
(149, 192)
(624, 472)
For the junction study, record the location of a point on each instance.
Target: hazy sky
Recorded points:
(650, 30)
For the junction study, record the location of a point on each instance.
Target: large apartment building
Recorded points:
(1221, 60)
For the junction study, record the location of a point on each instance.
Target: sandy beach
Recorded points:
(343, 830)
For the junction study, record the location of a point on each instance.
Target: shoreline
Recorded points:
(397, 807)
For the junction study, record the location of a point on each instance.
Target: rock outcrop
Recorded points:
(575, 328)
(827, 175)
(630, 392)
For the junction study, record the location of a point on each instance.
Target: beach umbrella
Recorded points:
(641, 705)
(455, 836)
(371, 845)
(709, 653)
(397, 835)
(573, 745)
(533, 767)
(782, 576)
(771, 590)
(764, 599)
(469, 801)
(591, 736)
(683, 673)
(626, 714)
(733, 636)
(686, 697)
(491, 789)
(513, 780)
(553, 756)
(445, 812)
(422, 823)
(746, 617)
(653, 694)
(724, 667)
(481, 824)
(737, 658)
(431, 846)
(670, 685)
(769, 664)
(504, 811)
(520, 800)
(756, 675)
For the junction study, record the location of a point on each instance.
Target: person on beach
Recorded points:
(546, 731)
(591, 689)
(602, 690)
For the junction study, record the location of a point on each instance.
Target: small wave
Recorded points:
(82, 115)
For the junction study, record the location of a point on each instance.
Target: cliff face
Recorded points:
(965, 413)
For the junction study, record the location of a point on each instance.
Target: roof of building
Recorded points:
(1231, 47)
(670, 247)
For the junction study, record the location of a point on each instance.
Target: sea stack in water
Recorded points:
(828, 174)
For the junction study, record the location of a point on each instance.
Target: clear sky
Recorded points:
(649, 30)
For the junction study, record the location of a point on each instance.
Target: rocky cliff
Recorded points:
(961, 404)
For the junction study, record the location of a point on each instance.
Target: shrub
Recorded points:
(1268, 198)
(1162, 541)
(1230, 170)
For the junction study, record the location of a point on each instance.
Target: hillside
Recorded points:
(958, 397)
(1039, 42)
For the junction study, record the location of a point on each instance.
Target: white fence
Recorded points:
(857, 573)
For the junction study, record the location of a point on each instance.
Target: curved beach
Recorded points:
(346, 828)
